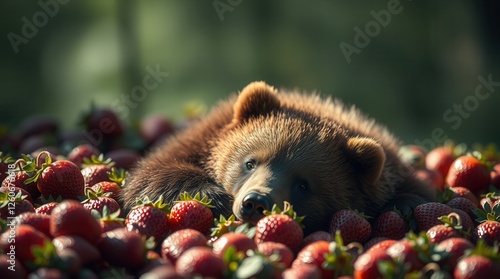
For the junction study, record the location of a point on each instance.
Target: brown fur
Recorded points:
(346, 159)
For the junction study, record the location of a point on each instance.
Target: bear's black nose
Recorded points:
(253, 207)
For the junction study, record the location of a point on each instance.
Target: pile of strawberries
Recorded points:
(60, 218)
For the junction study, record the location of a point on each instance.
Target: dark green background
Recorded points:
(427, 58)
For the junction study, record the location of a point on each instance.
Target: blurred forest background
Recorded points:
(425, 61)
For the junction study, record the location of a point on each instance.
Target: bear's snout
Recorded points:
(253, 206)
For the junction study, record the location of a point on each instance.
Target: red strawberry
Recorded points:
(381, 245)
(200, 261)
(123, 248)
(316, 236)
(305, 271)
(71, 218)
(59, 178)
(331, 257)
(98, 200)
(270, 248)
(149, 218)
(80, 152)
(114, 186)
(191, 213)
(48, 205)
(26, 238)
(105, 121)
(109, 220)
(374, 241)
(390, 224)
(87, 252)
(12, 204)
(15, 190)
(469, 172)
(18, 180)
(489, 227)
(124, 158)
(39, 221)
(352, 225)
(366, 265)
(280, 226)
(440, 159)
(96, 169)
(179, 241)
(431, 177)
(241, 242)
(463, 204)
(155, 127)
(476, 267)
(455, 247)
(461, 192)
(451, 227)
(427, 214)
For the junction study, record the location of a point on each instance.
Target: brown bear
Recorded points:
(265, 146)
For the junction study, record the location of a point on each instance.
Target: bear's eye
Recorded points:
(302, 186)
(250, 165)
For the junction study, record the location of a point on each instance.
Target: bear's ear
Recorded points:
(367, 157)
(255, 99)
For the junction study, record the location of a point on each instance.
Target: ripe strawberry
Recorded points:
(124, 158)
(427, 214)
(440, 159)
(200, 261)
(453, 192)
(332, 258)
(96, 169)
(463, 204)
(374, 241)
(12, 204)
(155, 127)
(224, 225)
(149, 218)
(352, 225)
(114, 186)
(455, 247)
(240, 241)
(109, 220)
(469, 172)
(476, 267)
(18, 180)
(269, 248)
(366, 265)
(305, 271)
(467, 223)
(15, 190)
(71, 218)
(98, 200)
(88, 252)
(431, 177)
(59, 178)
(39, 221)
(489, 227)
(390, 224)
(179, 241)
(48, 204)
(315, 236)
(192, 213)
(26, 238)
(381, 245)
(82, 151)
(104, 120)
(280, 226)
(123, 248)
(451, 227)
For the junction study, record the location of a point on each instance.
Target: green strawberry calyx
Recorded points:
(157, 204)
(31, 166)
(5, 199)
(426, 250)
(108, 216)
(287, 210)
(488, 214)
(454, 221)
(338, 258)
(97, 160)
(93, 195)
(118, 176)
(483, 249)
(5, 158)
(185, 196)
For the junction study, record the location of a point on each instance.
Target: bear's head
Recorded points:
(271, 153)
